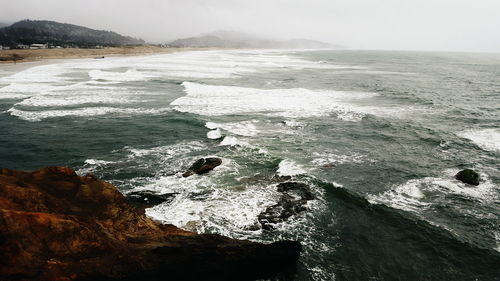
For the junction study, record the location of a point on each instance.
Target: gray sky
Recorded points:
(456, 25)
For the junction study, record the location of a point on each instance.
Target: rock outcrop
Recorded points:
(292, 202)
(56, 225)
(147, 199)
(468, 176)
(202, 166)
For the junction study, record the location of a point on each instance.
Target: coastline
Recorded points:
(7, 56)
(57, 225)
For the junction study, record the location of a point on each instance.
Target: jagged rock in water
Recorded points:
(264, 179)
(147, 199)
(292, 202)
(203, 166)
(56, 225)
(200, 195)
(296, 188)
(281, 211)
(468, 176)
(278, 178)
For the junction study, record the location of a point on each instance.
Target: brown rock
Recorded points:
(55, 225)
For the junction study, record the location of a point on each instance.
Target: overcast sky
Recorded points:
(456, 25)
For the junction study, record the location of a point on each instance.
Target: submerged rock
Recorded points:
(299, 189)
(292, 202)
(200, 195)
(147, 199)
(263, 178)
(56, 225)
(278, 178)
(468, 176)
(281, 211)
(203, 166)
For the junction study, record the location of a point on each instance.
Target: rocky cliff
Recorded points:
(56, 225)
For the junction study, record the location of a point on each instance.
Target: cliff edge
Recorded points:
(56, 225)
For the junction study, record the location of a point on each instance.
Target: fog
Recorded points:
(452, 25)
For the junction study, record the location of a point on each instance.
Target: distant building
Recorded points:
(5, 48)
(23, 46)
(39, 46)
(1, 47)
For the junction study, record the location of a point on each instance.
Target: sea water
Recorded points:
(377, 135)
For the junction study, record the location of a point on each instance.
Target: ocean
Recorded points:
(376, 135)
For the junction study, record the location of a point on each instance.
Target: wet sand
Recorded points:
(18, 56)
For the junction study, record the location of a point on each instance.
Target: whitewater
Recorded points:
(376, 135)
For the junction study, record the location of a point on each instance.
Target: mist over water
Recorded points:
(378, 136)
(445, 25)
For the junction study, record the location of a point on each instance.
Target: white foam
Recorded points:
(153, 158)
(91, 165)
(97, 162)
(68, 99)
(209, 64)
(276, 59)
(233, 141)
(167, 151)
(486, 191)
(202, 205)
(411, 196)
(39, 90)
(38, 74)
(196, 74)
(290, 168)
(330, 158)
(82, 112)
(225, 211)
(487, 139)
(211, 125)
(22, 90)
(214, 134)
(405, 197)
(364, 70)
(9, 96)
(245, 128)
(127, 76)
(202, 69)
(294, 123)
(212, 100)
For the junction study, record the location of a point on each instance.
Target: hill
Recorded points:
(207, 41)
(233, 39)
(55, 33)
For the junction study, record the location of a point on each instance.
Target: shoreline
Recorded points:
(57, 225)
(23, 56)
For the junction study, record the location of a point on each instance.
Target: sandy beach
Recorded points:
(18, 56)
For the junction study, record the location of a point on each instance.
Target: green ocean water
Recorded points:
(377, 135)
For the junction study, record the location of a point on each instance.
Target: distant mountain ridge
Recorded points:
(55, 33)
(234, 39)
